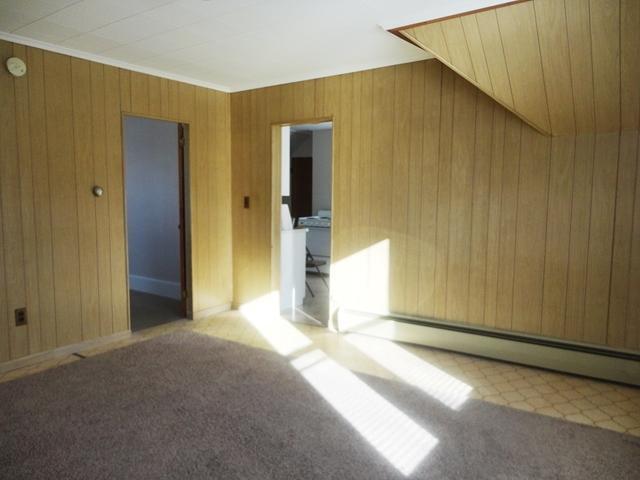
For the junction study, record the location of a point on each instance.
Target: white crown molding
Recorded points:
(30, 42)
(344, 69)
(330, 72)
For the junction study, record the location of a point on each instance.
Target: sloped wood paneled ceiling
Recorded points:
(563, 66)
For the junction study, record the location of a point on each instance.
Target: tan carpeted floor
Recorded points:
(185, 405)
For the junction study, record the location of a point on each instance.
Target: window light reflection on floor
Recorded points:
(391, 432)
(264, 315)
(435, 382)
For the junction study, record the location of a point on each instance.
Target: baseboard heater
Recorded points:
(571, 357)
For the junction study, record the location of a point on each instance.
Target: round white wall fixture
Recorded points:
(16, 66)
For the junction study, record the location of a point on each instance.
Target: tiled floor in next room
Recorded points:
(576, 399)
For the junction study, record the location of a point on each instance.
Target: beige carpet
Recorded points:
(186, 405)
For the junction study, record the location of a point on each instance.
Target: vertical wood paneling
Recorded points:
(458, 47)
(172, 92)
(27, 213)
(522, 53)
(433, 36)
(476, 51)
(113, 134)
(532, 208)
(622, 240)
(579, 39)
(399, 199)
(494, 53)
(62, 251)
(381, 173)
(430, 173)
(488, 221)
(155, 103)
(460, 202)
(164, 97)
(630, 64)
(215, 127)
(632, 334)
(443, 196)
(382, 151)
(354, 189)
(366, 149)
(495, 202)
(62, 178)
(553, 63)
(139, 93)
(554, 50)
(239, 125)
(414, 191)
(508, 222)
(222, 181)
(558, 236)
(13, 271)
(319, 99)
(605, 49)
(273, 104)
(340, 168)
(103, 234)
(125, 90)
(259, 199)
(263, 181)
(579, 236)
(5, 344)
(480, 205)
(605, 169)
(85, 175)
(305, 100)
(350, 191)
(41, 199)
(200, 136)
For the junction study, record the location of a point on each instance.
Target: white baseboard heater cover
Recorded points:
(576, 358)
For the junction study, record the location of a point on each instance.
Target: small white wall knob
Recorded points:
(16, 66)
(97, 191)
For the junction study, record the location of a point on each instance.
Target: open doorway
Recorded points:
(155, 163)
(305, 229)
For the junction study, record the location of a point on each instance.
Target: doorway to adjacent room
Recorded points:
(306, 155)
(155, 155)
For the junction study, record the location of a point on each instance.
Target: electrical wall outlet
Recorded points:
(21, 316)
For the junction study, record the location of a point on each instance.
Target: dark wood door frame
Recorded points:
(184, 293)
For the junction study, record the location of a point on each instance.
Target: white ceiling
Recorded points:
(228, 44)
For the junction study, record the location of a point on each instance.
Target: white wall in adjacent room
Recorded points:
(153, 215)
(322, 140)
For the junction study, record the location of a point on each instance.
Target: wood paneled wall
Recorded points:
(565, 66)
(452, 207)
(62, 251)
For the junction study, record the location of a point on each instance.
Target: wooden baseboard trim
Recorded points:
(569, 357)
(61, 351)
(207, 312)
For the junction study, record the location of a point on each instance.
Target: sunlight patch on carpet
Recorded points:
(390, 431)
